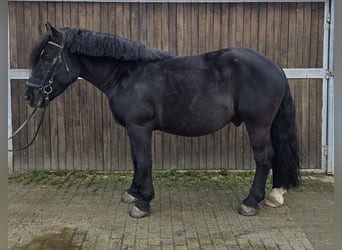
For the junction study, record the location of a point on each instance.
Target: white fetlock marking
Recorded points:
(276, 197)
(277, 194)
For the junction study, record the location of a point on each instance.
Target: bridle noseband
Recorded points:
(46, 88)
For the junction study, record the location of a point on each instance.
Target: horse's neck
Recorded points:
(101, 72)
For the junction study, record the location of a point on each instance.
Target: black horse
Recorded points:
(151, 90)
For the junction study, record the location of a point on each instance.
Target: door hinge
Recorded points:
(325, 151)
(328, 18)
(329, 73)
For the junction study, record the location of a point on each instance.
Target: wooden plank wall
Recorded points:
(79, 132)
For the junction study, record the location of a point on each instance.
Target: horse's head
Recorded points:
(53, 69)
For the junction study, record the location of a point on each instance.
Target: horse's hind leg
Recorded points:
(260, 138)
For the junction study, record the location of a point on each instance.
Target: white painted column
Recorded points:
(10, 144)
(331, 93)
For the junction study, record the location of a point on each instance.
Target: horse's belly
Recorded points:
(196, 123)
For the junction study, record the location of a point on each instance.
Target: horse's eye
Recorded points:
(47, 57)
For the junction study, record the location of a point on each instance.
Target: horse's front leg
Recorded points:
(141, 190)
(130, 196)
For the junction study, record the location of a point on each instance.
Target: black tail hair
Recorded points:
(286, 160)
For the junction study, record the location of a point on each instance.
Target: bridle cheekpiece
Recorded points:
(46, 85)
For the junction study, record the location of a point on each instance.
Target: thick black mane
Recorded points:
(89, 43)
(96, 44)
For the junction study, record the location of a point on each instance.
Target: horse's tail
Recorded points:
(286, 162)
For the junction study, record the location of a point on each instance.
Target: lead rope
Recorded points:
(46, 100)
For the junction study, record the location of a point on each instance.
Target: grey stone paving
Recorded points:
(79, 217)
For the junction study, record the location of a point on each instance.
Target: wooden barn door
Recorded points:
(79, 132)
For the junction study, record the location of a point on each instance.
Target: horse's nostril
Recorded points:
(27, 98)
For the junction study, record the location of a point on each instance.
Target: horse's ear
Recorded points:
(55, 34)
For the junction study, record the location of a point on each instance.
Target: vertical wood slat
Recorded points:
(21, 63)
(27, 14)
(113, 128)
(68, 104)
(232, 129)
(180, 51)
(39, 149)
(239, 145)
(201, 49)
(60, 119)
(13, 63)
(158, 136)
(316, 59)
(82, 95)
(75, 97)
(224, 42)
(98, 115)
(51, 16)
(298, 87)
(306, 92)
(194, 50)
(106, 113)
(284, 34)
(247, 43)
(187, 51)
(254, 45)
(289, 33)
(217, 136)
(127, 34)
(46, 145)
(119, 29)
(90, 100)
(173, 50)
(166, 138)
(15, 107)
(321, 22)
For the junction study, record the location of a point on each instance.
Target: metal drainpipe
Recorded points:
(330, 167)
(324, 138)
(10, 143)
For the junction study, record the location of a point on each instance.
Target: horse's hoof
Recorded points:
(128, 198)
(137, 213)
(275, 198)
(272, 203)
(247, 211)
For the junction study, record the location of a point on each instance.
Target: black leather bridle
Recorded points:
(46, 88)
(46, 85)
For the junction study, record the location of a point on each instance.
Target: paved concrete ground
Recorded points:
(183, 217)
